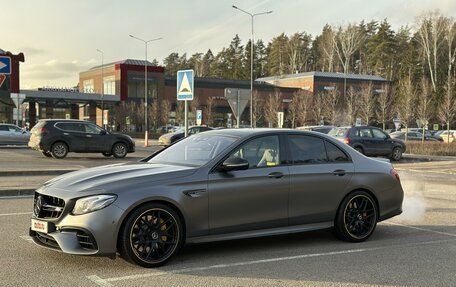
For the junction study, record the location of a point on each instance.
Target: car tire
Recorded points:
(356, 218)
(59, 150)
(106, 154)
(396, 154)
(151, 235)
(46, 154)
(119, 150)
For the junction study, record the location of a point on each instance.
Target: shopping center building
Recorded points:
(123, 82)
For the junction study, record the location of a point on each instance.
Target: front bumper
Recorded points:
(93, 233)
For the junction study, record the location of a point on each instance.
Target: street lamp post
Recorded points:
(146, 121)
(251, 59)
(102, 88)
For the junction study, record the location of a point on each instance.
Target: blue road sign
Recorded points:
(5, 65)
(185, 85)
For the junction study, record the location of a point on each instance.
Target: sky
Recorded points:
(60, 38)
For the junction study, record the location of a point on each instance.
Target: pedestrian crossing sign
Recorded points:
(185, 85)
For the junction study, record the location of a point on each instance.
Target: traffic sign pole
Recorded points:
(186, 118)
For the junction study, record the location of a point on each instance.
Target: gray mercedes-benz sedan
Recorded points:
(217, 185)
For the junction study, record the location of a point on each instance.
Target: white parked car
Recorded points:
(13, 135)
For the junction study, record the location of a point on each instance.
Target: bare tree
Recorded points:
(430, 31)
(351, 107)
(195, 105)
(180, 112)
(330, 100)
(318, 107)
(450, 36)
(384, 100)
(273, 105)
(154, 117)
(328, 45)
(366, 103)
(406, 109)
(304, 102)
(258, 108)
(165, 110)
(208, 111)
(294, 108)
(346, 43)
(423, 110)
(447, 109)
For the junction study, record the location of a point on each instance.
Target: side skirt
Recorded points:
(261, 233)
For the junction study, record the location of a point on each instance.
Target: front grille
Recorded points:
(47, 240)
(47, 207)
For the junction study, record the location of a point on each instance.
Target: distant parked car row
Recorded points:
(173, 137)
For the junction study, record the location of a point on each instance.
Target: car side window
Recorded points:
(3, 128)
(364, 133)
(335, 154)
(260, 152)
(307, 150)
(92, 129)
(378, 134)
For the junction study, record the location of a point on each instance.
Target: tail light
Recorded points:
(41, 131)
(394, 174)
(347, 140)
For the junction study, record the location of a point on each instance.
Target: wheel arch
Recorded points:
(355, 190)
(160, 201)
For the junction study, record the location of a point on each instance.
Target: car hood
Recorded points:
(118, 176)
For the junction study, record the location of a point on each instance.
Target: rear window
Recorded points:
(338, 132)
(39, 125)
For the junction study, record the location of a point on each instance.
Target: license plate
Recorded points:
(40, 226)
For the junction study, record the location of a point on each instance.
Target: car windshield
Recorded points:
(180, 130)
(195, 150)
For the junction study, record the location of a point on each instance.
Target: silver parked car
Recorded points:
(217, 185)
(13, 135)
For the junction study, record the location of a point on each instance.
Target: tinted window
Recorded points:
(379, 134)
(335, 154)
(364, 133)
(307, 150)
(3, 128)
(92, 129)
(260, 152)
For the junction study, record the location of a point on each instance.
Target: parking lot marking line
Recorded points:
(26, 238)
(100, 281)
(423, 229)
(18, 213)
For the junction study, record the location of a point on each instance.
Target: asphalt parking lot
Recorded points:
(417, 248)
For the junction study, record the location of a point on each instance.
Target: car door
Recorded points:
(319, 173)
(73, 133)
(366, 139)
(5, 137)
(256, 198)
(96, 141)
(382, 144)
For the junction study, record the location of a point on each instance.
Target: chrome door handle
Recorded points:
(275, 175)
(339, 172)
(89, 136)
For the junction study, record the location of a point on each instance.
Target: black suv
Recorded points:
(58, 137)
(370, 141)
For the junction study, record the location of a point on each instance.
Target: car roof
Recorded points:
(245, 132)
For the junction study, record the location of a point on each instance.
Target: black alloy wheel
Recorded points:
(59, 150)
(356, 218)
(396, 154)
(119, 150)
(151, 235)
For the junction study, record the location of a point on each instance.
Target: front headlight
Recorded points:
(93, 203)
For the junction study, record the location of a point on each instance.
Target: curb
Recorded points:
(35, 172)
(16, 192)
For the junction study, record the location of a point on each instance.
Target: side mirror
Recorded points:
(234, 163)
(103, 132)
